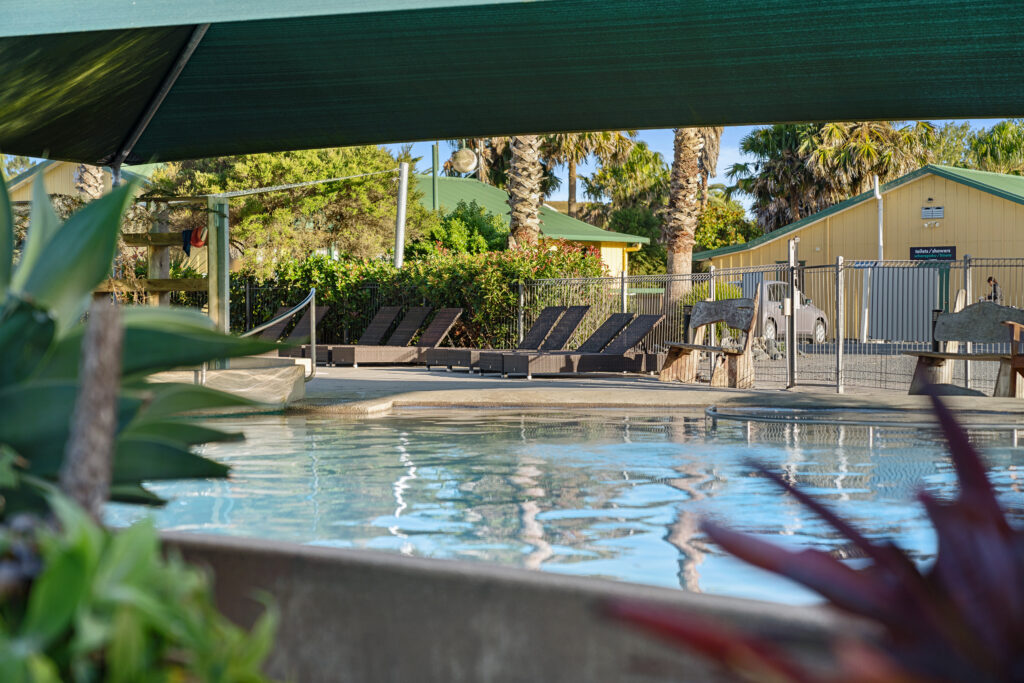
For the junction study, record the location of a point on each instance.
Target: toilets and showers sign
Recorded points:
(933, 253)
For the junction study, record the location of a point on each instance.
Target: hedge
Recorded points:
(484, 285)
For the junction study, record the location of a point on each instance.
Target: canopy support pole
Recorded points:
(218, 262)
(158, 98)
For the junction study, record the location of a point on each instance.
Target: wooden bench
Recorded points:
(983, 322)
(731, 367)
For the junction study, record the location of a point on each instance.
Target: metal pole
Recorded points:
(248, 304)
(840, 326)
(312, 336)
(969, 299)
(521, 314)
(403, 194)
(711, 297)
(622, 291)
(881, 213)
(791, 318)
(436, 202)
(218, 261)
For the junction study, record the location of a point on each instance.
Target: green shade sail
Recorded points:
(553, 225)
(77, 78)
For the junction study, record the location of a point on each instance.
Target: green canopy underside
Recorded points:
(553, 225)
(493, 68)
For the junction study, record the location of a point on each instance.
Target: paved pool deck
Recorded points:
(369, 390)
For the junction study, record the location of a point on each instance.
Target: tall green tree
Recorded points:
(640, 179)
(695, 156)
(495, 156)
(572, 149)
(356, 216)
(999, 149)
(11, 164)
(524, 190)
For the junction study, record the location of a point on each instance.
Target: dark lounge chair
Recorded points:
(561, 333)
(397, 351)
(468, 358)
(594, 355)
(375, 331)
(300, 335)
(274, 332)
(548, 361)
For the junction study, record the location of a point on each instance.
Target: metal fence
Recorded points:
(853, 320)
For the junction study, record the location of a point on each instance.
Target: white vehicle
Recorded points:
(810, 320)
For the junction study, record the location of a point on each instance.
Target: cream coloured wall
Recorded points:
(58, 178)
(615, 257)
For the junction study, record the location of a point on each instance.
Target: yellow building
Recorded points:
(934, 213)
(58, 178)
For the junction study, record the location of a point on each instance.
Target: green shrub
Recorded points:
(80, 603)
(484, 285)
(641, 221)
(469, 228)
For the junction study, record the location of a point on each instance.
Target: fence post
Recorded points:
(840, 326)
(622, 290)
(969, 300)
(791, 319)
(521, 314)
(248, 304)
(711, 297)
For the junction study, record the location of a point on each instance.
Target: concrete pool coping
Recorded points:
(368, 391)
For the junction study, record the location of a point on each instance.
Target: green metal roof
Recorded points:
(79, 76)
(1009, 187)
(553, 225)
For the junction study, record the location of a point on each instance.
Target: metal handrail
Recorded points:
(310, 301)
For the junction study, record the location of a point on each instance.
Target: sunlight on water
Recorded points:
(597, 493)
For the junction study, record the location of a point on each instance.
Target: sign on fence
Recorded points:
(933, 253)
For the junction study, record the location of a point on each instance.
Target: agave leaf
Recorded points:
(181, 432)
(747, 655)
(134, 493)
(843, 586)
(64, 281)
(43, 225)
(35, 421)
(26, 333)
(6, 238)
(171, 398)
(148, 350)
(140, 458)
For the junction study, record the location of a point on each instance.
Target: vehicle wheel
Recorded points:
(769, 329)
(819, 331)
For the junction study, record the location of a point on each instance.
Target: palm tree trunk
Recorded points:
(89, 181)
(572, 188)
(524, 195)
(694, 158)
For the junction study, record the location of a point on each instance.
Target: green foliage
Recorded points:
(108, 606)
(469, 228)
(641, 221)
(354, 216)
(12, 164)
(41, 336)
(724, 223)
(700, 291)
(484, 285)
(641, 179)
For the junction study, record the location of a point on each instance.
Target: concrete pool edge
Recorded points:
(370, 615)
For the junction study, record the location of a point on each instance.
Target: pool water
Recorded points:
(597, 493)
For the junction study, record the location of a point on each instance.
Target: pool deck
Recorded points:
(369, 390)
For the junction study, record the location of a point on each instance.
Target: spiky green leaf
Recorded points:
(148, 458)
(43, 225)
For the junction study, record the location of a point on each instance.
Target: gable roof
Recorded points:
(1009, 187)
(553, 225)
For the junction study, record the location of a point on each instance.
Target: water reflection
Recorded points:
(597, 493)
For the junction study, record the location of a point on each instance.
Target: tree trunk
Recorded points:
(695, 155)
(572, 188)
(89, 181)
(524, 195)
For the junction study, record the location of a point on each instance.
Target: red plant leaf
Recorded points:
(744, 654)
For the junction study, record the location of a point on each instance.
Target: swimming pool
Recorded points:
(596, 493)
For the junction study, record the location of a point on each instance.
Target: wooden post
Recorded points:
(218, 261)
(159, 258)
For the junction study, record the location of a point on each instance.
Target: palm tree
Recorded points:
(641, 179)
(524, 190)
(999, 149)
(89, 181)
(573, 149)
(695, 156)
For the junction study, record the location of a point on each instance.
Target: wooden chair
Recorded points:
(1015, 367)
(731, 367)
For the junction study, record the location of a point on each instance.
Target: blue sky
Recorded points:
(659, 140)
